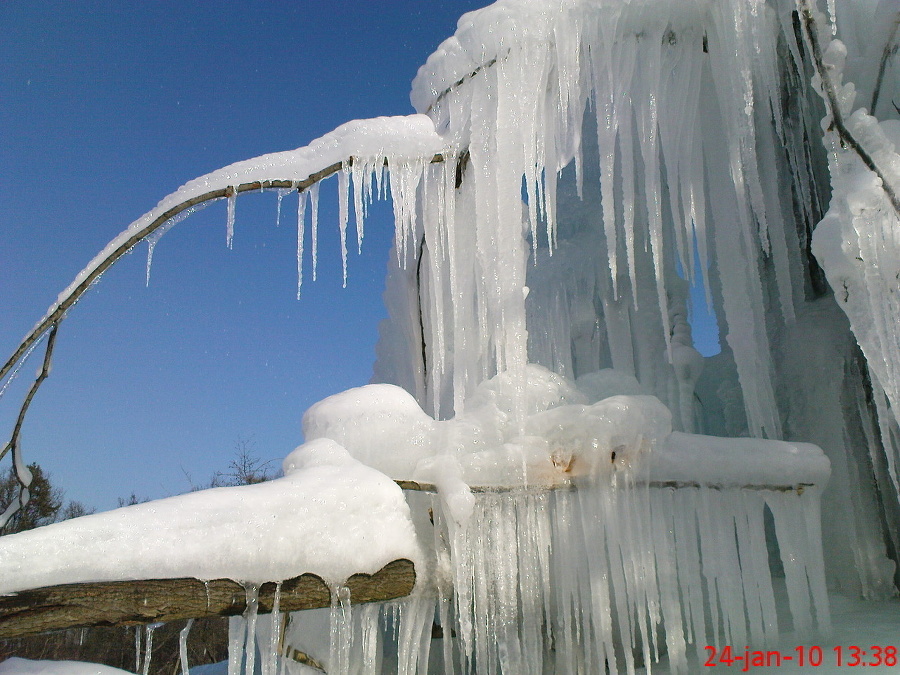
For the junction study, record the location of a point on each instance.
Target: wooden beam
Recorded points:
(570, 484)
(123, 603)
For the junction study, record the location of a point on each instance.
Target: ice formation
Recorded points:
(595, 494)
(593, 535)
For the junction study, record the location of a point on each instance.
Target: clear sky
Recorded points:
(106, 107)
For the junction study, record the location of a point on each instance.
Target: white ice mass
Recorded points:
(594, 495)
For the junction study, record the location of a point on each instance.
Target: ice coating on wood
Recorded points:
(559, 436)
(588, 429)
(329, 515)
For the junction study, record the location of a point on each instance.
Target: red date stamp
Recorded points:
(801, 655)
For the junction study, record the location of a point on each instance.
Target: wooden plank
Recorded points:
(122, 603)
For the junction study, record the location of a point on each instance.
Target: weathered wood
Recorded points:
(122, 603)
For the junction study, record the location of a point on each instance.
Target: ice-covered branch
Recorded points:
(830, 95)
(400, 141)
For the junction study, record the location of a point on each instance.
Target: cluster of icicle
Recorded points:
(677, 91)
(606, 579)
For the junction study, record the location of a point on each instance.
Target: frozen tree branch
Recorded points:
(53, 319)
(66, 303)
(122, 603)
(830, 96)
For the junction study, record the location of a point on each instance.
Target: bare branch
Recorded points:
(13, 444)
(837, 120)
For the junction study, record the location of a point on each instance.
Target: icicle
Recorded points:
(281, 194)
(237, 638)
(797, 526)
(343, 217)
(151, 244)
(269, 662)
(313, 192)
(415, 621)
(148, 646)
(370, 638)
(832, 16)
(182, 647)
(137, 648)
(251, 613)
(360, 174)
(341, 631)
(301, 222)
(232, 202)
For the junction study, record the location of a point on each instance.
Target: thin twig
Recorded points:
(461, 81)
(422, 249)
(883, 65)
(837, 120)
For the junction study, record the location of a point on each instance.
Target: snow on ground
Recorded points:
(17, 666)
(855, 623)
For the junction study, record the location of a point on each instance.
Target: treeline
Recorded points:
(46, 504)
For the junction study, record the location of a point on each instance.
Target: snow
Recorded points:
(329, 515)
(17, 666)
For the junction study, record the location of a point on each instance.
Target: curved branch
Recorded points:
(837, 120)
(23, 475)
(64, 305)
(55, 317)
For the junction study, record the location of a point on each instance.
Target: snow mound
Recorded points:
(329, 515)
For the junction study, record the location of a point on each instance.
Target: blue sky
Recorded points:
(106, 107)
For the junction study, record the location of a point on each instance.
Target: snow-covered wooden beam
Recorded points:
(693, 461)
(122, 603)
